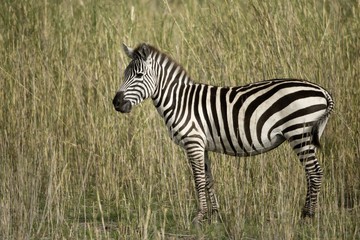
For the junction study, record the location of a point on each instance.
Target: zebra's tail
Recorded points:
(319, 126)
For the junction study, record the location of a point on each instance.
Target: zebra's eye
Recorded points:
(139, 75)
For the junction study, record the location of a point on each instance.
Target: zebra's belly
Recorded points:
(244, 150)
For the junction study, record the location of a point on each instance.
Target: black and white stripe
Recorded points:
(242, 121)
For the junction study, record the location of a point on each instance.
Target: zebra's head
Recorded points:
(139, 80)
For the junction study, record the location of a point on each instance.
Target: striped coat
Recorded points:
(242, 121)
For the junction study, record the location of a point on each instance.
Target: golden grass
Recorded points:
(73, 168)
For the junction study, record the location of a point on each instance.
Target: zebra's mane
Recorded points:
(161, 56)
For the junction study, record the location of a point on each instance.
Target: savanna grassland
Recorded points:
(71, 167)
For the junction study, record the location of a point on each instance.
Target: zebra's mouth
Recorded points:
(120, 104)
(124, 108)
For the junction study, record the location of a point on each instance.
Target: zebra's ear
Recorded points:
(144, 51)
(129, 51)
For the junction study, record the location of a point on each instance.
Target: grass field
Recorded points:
(71, 167)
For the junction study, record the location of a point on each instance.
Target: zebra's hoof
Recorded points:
(214, 216)
(307, 214)
(198, 220)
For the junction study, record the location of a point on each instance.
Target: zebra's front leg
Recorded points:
(210, 189)
(196, 158)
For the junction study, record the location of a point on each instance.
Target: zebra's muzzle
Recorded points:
(120, 104)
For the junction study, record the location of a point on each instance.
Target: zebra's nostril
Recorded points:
(118, 98)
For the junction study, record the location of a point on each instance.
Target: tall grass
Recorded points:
(73, 168)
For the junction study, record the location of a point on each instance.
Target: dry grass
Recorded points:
(73, 168)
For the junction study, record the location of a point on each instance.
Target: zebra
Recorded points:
(239, 121)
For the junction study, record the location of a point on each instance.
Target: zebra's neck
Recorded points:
(172, 84)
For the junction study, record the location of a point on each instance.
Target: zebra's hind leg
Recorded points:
(306, 152)
(210, 189)
(195, 154)
(314, 175)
